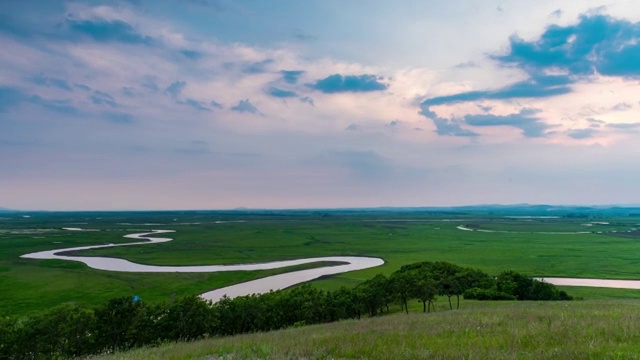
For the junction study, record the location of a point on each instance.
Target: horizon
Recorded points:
(372, 208)
(218, 104)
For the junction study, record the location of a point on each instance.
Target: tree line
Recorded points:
(123, 323)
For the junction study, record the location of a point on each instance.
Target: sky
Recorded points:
(219, 104)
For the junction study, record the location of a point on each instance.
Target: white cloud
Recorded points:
(291, 153)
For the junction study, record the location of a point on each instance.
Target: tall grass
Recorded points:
(523, 330)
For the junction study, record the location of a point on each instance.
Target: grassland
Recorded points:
(514, 330)
(535, 246)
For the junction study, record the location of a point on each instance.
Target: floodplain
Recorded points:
(542, 242)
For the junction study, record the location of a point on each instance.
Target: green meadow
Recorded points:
(594, 246)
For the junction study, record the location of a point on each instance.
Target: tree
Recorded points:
(450, 286)
(305, 303)
(186, 318)
(114, 323)
(374, 294)
(346, 303)
(486, 294)
(469, 278)
(8, 329)
(526, 288)
(516, 284)
(446, 276)
(66, 331)
(402, 285)
(426, 289)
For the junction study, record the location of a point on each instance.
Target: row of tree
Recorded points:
(123, 323)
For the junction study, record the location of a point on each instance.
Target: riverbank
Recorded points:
(204, 238)
(259, 286)
(266, 284)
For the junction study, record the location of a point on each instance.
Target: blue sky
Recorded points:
(207, 104)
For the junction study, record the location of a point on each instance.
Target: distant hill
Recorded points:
(524, 209)
(495, 209)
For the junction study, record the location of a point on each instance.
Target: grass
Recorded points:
(29, 289)
(509, 330)
(205, 238)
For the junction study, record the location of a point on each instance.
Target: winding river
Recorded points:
(561, 281)
(275, 282)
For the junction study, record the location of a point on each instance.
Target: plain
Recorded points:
(597, 246)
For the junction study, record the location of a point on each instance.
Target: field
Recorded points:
(514, 330)
(601, 245)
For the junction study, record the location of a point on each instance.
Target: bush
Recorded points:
(486, 294)
(73, 331)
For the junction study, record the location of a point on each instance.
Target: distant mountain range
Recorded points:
(514, 210)
(498, 209)
(524, 208)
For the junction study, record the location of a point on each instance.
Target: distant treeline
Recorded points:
(123, 323)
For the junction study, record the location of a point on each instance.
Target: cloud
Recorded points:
(51, 82)
(349, 83)
(466, 65)
(191, 54)
(291, 76)
(149, 82)
(258, 67)
(279, 93)
(102, 98)
(597, 43)
(194, 148)
(118, 117)
(175, 88)
(451, 127)
(535, 87)
(304, 37)
(556, 14)
(596, 123)
(365, 165)
(245, 106)
(10, 97)
(109, 31)
(307, 100)
(446, 127)
(198, 105)
(554, 61)
(353, 127)
(624, 126)
(59, 106)
(129, 91)
(485, 108)
(580, 134)
(216, 5)
(524, 120)
(82, 87)
(216, 104)
(622, 106)
(14, 27)
(394, 123)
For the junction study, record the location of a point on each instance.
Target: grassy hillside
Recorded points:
(524, 330)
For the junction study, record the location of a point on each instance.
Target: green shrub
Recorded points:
(486, 294)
